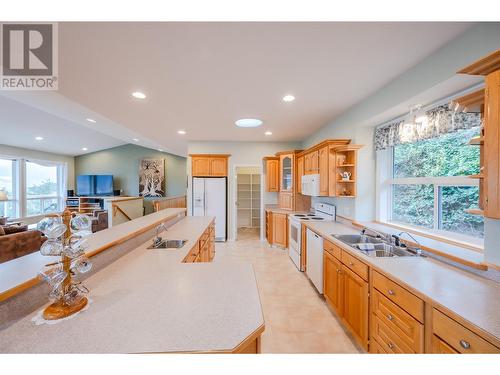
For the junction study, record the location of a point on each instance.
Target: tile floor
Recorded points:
(297, 319)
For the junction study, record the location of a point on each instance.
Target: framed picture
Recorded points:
(152, 178)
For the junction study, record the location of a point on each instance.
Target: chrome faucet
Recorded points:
(418, 250)
(157, 239)
(376, 234)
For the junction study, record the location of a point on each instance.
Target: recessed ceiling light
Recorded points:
(84, 149)
(139, 95)
(160, 150)
(135, 140)
(91, 120)
(181, 132)
(248, 123)
(39, 138)
(288, 98)
(268, 133)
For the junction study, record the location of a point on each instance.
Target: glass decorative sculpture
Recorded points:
(65, 238)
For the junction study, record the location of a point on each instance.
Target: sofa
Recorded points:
(17, 241)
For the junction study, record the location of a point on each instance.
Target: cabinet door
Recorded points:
(323, 171)
(492, 146)
(272, 172)
(333, 282)
(315, 162)
(440, 347)
(286, 201)
(218, 166)
(286, 173)
(356, 305)
(280, 228)
(307, 163)
(300, 173)
(200, 166)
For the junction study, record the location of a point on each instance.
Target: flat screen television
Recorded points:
(93, 185)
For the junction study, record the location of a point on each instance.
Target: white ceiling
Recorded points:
(201, 77)
(20, 124)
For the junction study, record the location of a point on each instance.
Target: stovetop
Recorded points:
(307, 217)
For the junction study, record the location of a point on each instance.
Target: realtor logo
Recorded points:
(29, 56)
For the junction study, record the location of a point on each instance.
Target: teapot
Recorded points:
(345, 176)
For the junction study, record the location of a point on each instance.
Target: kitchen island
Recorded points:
(149, 301)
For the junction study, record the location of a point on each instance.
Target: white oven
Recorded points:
(294, 239)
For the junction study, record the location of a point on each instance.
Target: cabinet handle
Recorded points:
(464, 344)
(390, 345)
(351, 264)
(390, 317)
(339, 271)
(391, 292)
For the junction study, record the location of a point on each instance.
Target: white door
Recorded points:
(215, 204)
(198, 196)
(314, 268)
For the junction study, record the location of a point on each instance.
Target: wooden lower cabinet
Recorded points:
(280, 229)
(441, 347)
(277, 228)
(346, 293)
(355, 305)
(204, 250)
(333, 282)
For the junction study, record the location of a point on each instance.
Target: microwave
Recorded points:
(310, 185)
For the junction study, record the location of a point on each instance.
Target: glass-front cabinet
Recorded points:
(286, 172)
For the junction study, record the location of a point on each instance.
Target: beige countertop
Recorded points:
(275, 208)
(148, 301)
(473, 298)
(24, 269)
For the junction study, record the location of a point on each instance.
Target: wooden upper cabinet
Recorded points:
(272, 174)
(300, 173)
(492, 146)
(314, 162)
(200, 166)
(218, 166)
(489, 67)
(286, 172)
(209, 165)
(323, 171)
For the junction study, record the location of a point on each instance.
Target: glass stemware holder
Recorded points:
(66, 237)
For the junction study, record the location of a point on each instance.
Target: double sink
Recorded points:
(374, 247)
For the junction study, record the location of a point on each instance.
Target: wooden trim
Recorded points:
(118, 208)
(125, 200)
(34, 281)
(484, 66)
(326, 142)
(270, 158)
(211, 155)
(465, 245)
(474, 98)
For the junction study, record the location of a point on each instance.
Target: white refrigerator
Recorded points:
(210, 199)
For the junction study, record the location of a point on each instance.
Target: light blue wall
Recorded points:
(123, 163)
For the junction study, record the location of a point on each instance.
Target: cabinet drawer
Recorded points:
(387, 339)
(400, 296)
(458, 337)
(376, 348)
(440, 347)
(355, 265)
(332, 249)
(398, 321)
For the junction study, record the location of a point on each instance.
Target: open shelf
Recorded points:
(345, 181)
(345, 165)
(477, 141)
(476, 176)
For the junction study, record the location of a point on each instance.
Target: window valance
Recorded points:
(439, 120)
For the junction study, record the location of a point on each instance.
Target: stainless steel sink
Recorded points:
(352, 239)
(373, 247)
(168, 244)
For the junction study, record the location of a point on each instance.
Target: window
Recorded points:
(41, 189)
(33, 187)
(9, 208)
(428, 185)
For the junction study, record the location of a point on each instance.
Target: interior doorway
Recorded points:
(248, 202)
